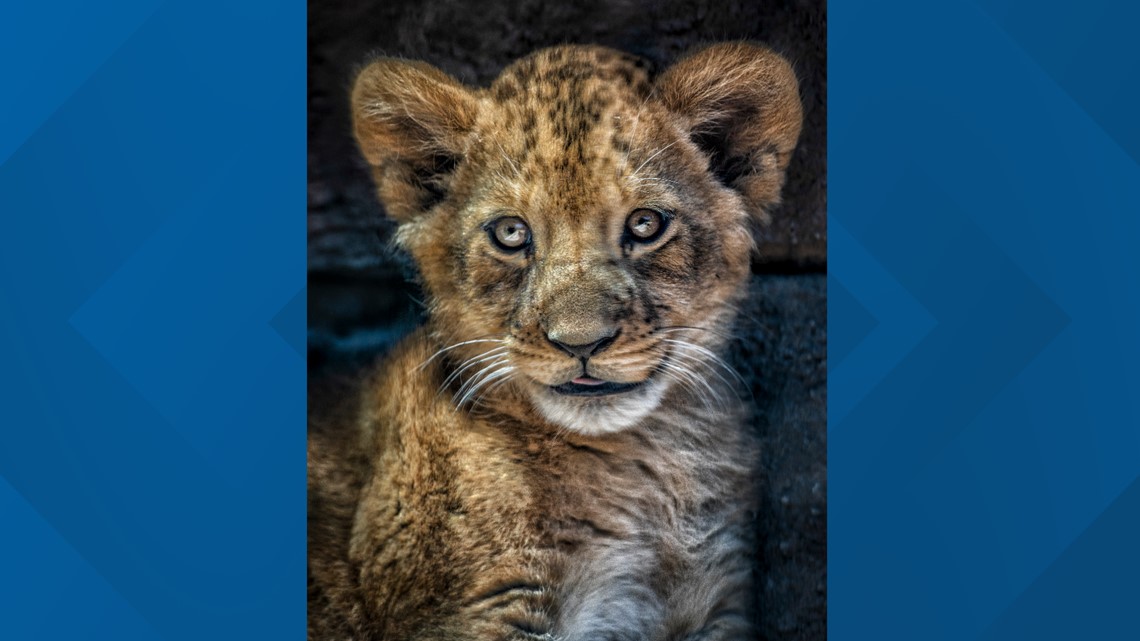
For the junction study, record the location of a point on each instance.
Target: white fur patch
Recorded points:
(599, 414)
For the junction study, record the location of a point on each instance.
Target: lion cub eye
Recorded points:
(645, 225)
(509, 234)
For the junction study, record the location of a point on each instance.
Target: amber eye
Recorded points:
(509, 234)
(645, 225)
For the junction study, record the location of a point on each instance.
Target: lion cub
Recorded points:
(559, 452)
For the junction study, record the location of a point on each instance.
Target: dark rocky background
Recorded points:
(360, 302)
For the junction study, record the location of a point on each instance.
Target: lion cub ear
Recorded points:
(411, 121)
(741, 104)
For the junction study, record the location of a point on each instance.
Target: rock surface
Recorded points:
(781, 351)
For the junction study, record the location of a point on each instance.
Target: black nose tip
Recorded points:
(585, 350)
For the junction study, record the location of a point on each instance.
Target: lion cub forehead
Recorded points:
(551, 73)
(567, 114)
(569, 91)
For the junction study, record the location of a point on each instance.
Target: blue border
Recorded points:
(984, 444)
(984, 436)
(152, 272)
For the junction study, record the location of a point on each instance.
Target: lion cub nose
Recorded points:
(581, 345)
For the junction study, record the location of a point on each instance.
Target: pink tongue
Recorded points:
(586, 380)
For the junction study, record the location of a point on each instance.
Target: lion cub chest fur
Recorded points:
(640, 534)
(559, 453)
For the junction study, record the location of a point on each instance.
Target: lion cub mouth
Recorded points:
(587, 386)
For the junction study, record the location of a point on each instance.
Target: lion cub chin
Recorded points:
(602, 415)
(560, 452)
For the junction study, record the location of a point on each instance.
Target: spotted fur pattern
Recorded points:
(475, 501)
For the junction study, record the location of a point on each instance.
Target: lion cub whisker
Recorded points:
(688, 381)
(486, 375)
(439, 353)
(483, 357)
(681, 328)
(711, 356)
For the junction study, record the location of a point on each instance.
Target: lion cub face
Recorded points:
(582, 228)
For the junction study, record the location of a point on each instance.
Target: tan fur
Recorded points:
(462, 498)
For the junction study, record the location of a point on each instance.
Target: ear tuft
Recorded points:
(741, 104)
(411, 121)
